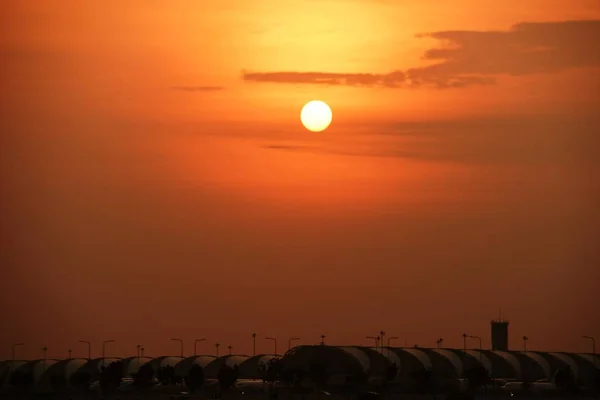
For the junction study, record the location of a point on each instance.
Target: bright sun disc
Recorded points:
(316, 116)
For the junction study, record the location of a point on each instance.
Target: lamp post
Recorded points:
(465, 336)
(104, 349)
(70, 354)
(14, 347)
(142, 351)
(381, 335)
(45, 350)
(89, 345)
(375, 338)
(290, 340)
(323, 340)
(217, 348)
(480, 346)
(229, 348)
(590, 338)
(525, 339)
(274, 342)
(181, 346)
(439, 342)
(196, 343)
(254, 344)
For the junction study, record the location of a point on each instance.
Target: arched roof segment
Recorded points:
(337, 360)
(446, 363)
(182, 368)
(131, 365)
(165, 361)
(381, 360)
(63, 369)
(561, 360)
(504, 365)
(412, 360)
(250, 368)
(36, 368)
(533, 365)
(475, 358)
(212, 369)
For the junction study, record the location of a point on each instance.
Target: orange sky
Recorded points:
(156, 180)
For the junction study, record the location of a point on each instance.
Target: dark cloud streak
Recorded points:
(474, 58)
(198, 88)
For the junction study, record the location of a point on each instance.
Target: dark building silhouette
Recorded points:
(499, 335)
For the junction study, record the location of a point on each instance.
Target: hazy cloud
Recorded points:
(199, 88)
(392, 80)
(474, 58)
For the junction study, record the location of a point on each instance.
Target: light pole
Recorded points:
(217, 348)
(465, 336)
(142, 351)
(375, 338)
(590, 338)
(439, 343)
(323, 340)
(104, 349)
(480, 346)
(525, 339)
(70, 354)
(390, 340)
(274, 342)
(14, 347)
(45, 350)
(229, 348)
(181, 344)
(89, 345)
(196, 343)
(381, 335)
(254, 344)
(290, 340)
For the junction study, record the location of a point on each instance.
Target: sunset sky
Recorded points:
(156, 181)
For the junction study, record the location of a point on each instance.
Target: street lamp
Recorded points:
(290, 341)
(142, 351)
(590, 338)
(323, 340)
(381, 335)
(274, 342)
(375, 338)
(390, 340)
(104, 348)
(465, 336)
(89, 345)
(70, 354)
(480, 346)
(181, 343)
(439, 342)
(254, 344)
(45, 350)
(217, 348)
(195, 344)
(229, 348)
(525, 339)
(14, 347)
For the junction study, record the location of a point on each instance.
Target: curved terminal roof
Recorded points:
(337, 360)
(182, 367)
(504, 364)
(94, 366)
(250, 368)
(564, 360)
(380, 360)
(475, 358)
(64, 369)
(533, 365)
(132, 365)
(446, 363)
(412, 360)
(6, 370)
(35, 367)
(212, 369)
(165, 361)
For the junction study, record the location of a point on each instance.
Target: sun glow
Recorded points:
(316, 116)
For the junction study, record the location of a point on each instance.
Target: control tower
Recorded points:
(500, 335)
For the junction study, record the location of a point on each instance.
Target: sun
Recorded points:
(316, 116)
